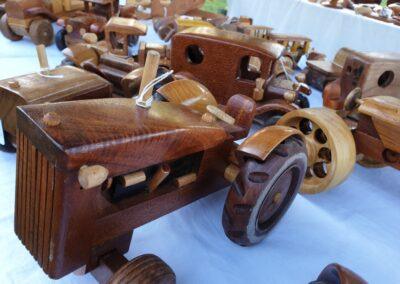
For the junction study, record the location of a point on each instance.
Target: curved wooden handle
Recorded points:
(149, 72)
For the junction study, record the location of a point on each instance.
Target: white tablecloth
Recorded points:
(330, 29)
(356, 224)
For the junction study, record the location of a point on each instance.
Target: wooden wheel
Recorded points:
(262, 193)
(41, 32)
(336, 274)
(6, 30)
(330, 147)
(144, 269)
(60, 39)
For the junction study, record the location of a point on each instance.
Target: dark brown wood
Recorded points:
(338, 274)
(77, 226)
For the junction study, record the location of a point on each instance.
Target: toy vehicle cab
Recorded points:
(61, 84)
(33, 19)
(231, 63)
(139, 163)
(92, 20)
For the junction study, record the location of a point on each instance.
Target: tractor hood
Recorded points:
(116, 133)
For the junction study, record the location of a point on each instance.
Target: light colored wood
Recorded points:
(133, 178)
(339, 142)
(231, 172)
(385, 114)
(92, 176)
(290, 96)
(149, 72)
(42, 56)
(14, 84)
(208, 117)
(161, 174)
(301, 77)
(220, 114)
(51, 119)
(185, 180)
(90, 38)
(189, 93)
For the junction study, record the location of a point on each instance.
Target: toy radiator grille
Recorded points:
(34, 200)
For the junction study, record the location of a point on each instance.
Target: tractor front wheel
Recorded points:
(41, 32)
(263, 191)
(145, 269)
(6, 30)
(60, 39)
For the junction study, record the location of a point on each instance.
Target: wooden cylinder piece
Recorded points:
(149, 72)
(41, 53)
(185, 180)
(93, 176)
(133, 178)
(220, 114)
(161, 174)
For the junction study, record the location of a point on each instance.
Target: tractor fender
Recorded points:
(41, 11)
(263, 142)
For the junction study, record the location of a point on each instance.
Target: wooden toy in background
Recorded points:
(243, 65)
(338, 274)
(320, 72)
(110, 59)
(48, 85)
(2, 7)
(92, 20)
(32, 18)
(146, 9)
(132, 170)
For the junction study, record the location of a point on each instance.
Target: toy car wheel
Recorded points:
(6, 30)
(302, 101)
(41, 32)
(330, 147)
(146, 268)
(263, 191)
(8, 146)
(60, 39)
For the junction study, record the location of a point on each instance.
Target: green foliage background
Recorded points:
(215, 6)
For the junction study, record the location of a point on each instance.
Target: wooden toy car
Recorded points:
(321, 72)
(337, 274)
(92, 20)
(2, 7)
(32, 18)
(230, 63)
(110, 58)
(145, 9)
(60, 84)
(90, 172)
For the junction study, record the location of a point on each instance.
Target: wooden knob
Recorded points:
(90, 38)
(208, 117)
(41, 53)
(93, 176)
(69, 29)
(14, 84)
(51, 119)
(149, 72)
(220, 114)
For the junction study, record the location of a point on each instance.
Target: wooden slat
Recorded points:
(42, 210)
(48, 216)
(37, 202)
(18, 187)
(24, 196)
(31, 190)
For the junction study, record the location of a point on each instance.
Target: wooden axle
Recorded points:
(41, 53)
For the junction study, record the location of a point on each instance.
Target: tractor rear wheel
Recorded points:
(263, 191)
(6, 30)
(41, 32)
(60, 39)
(145, 269)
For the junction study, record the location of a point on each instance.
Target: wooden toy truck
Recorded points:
(230, 63)
(60, 84)
(92, 20)
(90, 172)
(32, 18)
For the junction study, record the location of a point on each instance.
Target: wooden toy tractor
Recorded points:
(90, 172)
(32, 18)
(110, 58)
(92, 20)
(230, 63)
(60, 84)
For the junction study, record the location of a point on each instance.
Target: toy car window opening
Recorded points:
(194, 54)
(386, 79)
(249, 68)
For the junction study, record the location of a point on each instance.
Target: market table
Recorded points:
(356, 224)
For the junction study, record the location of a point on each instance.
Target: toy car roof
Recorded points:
(66, 81)
(126, 26)
(288, 37)
(377, 57)
(274, 50)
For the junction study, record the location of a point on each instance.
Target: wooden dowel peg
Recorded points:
(208, 117)
(231, 172)
(161, 174)
(93, 176)
(41, 53)
(290, 96)
(220, 114)
(149, 72)
(133, 178)
(185, 180)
